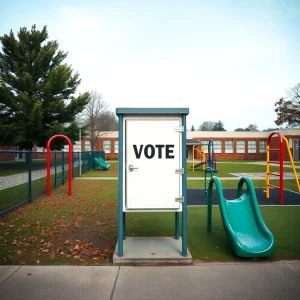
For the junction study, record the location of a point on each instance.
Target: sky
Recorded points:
(227, 61)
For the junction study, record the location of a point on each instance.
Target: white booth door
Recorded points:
(152, 155)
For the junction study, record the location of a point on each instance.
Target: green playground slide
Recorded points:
(242, 220)
(101, 163)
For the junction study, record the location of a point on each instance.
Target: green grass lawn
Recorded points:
(214, 246)
(112, 172)
(82, 229)
(15, 195)
(289, 184)
(224, 170)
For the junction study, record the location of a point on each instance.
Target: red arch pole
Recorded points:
(49, 164)
(281, 157)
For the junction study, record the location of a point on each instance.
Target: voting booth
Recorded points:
(152, 166)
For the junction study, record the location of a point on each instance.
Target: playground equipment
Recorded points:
(242, 220)
(211, 160)
(210, 170)
(202, 157)
(101, 163)
(280, 163)
(207, 160)
(48, 179)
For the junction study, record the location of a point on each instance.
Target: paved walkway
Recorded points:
(226, 281)
(17, 179)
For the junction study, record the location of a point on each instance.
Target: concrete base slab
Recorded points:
(152, 251)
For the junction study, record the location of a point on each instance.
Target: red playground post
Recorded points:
(49, 164)
(280, 163)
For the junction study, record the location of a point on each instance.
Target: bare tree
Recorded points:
(207, 126)
(107, 121)
(288, 108)
(98, 118)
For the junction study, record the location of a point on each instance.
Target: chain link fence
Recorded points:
(23, 173)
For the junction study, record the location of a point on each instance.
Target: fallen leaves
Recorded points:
(44, 230)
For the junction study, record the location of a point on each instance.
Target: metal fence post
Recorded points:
(79, 160)
(73, 175)
(29, 162)
(54, 168)
(89, 160)
(63, 167)
(82, 157)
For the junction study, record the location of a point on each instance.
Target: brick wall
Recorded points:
(219, 156)
(100, 146)
(275, 143)
(7, 156)
(235, 155)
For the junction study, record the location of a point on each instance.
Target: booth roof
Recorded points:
(152, 110)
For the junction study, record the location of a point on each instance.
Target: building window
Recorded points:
(218, 146)
(262, 146)
(251, 146)
(116, 146)
(228, 146)
(240, 146)
(106, 146)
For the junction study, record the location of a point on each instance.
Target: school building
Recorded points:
(236, 145)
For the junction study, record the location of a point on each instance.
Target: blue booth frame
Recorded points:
(122, 215)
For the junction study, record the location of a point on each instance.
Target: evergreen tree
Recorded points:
(239, 129)
(252, 127)
(193, 128)
(219, 127)
(36, 90)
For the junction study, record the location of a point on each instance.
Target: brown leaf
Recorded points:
(153, 253)
(52, 255)
(2, 223)
(48, 245)
(38, 261)
(67, 242)
(52, 234)
(19, 252)
(45, 250)
(29, 274)
(22, 262)
(77, 247)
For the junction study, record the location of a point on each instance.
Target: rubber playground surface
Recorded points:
(196, 197)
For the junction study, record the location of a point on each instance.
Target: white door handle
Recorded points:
(131, 168)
